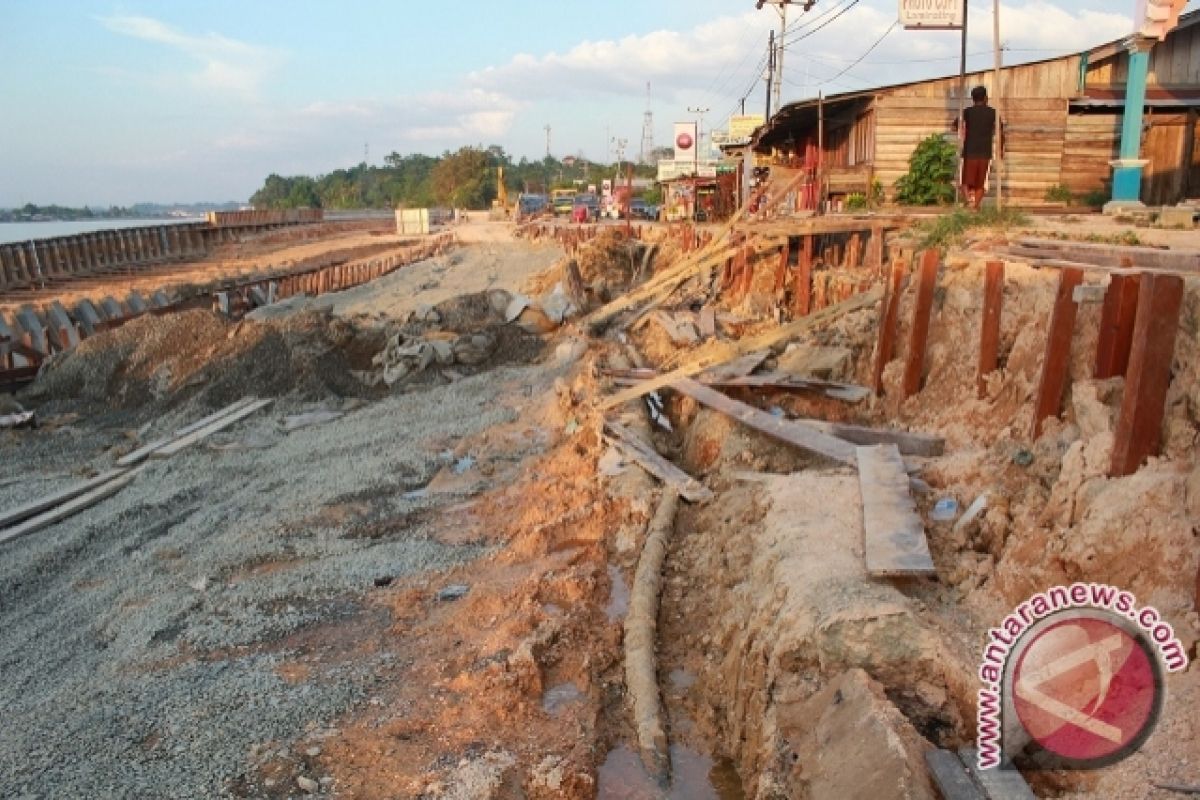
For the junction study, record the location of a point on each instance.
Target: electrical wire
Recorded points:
(870, 49)
(813, 31)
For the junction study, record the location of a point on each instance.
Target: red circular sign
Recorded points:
(1086, 689)
(684, 141)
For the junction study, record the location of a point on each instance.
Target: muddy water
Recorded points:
(694, 777)
(618, 596)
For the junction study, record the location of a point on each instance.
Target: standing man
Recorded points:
(980, 128)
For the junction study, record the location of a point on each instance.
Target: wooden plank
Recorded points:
(1002, 783)
(953, 780)
(918, 339)
(894, 542)
(725, 352)
(784, 430)
(142, 453)
(1139, 426)
(907, 442)
(70, 508)
(202, 433)
(35, 507)
(802, 283)
(885, 344)
(1116, 326)
(649, 459)
(781, 381)
(708, 322)
(1057, 359)
(989, 328)
(1183, 261)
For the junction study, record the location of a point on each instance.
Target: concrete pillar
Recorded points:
(8, 269)
(23, 263)
(125, 241)
(109, 248)
(1127, 170)
(78, 254)
(96, 252)
(174, 246)
(163, 245)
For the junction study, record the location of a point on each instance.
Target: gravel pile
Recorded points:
(141, 638)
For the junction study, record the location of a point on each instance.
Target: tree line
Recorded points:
(466, 178)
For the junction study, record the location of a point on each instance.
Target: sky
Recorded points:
(128, 101)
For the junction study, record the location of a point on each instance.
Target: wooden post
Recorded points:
(1057, 360)
(1139, 427)
(781, 269)
(802, 282)
(989, 333)
(885, 345)
(918, 339)
(1116, 326)
(875, 249)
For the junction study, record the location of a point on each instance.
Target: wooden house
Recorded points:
(1062, 125)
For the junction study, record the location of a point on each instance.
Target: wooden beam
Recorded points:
(802, 282)
(776, 381)
(1057, 360)
(989, 329)
(1116, 326)
(953, 780)
(1116, 256)
(781, 270)
(35, 507)
(142, 453)
(784, 430)
(918, 338)
(885, 344)
(641, 452)
(203, 433)
(724, 352)
(894, 543)
(908, 443)
(1139, 426)
(72, 507)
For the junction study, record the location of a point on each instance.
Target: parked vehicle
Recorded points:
(590, 205)
(562, 200)
(530, 204)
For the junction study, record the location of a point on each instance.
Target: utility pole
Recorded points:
(998, 141)
(700, 128)
(647, 130)
(778, 45)
(547, 140)
(770, 70)
(962, 98)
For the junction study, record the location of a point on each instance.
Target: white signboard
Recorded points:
(685, 141)
(670, 170)
(931, 14)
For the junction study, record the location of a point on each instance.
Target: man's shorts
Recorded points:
(975, 172)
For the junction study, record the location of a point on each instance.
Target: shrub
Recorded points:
(932, 170)
(857, 202)
(1059, 194)
(1096, 198)
(948, 229)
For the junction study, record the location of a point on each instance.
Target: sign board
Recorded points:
(412, 221)
(685, 141)
(672, 170)
(743, 126)
(931, 14)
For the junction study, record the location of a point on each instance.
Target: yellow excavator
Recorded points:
(500, 208)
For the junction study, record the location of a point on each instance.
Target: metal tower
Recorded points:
(647, 130)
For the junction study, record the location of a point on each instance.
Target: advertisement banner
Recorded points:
(742, 127)
(931, 14)
(685, 141)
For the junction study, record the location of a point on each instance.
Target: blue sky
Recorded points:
(118, 102)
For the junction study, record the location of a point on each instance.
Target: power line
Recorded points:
(824, 24)
(870, 49)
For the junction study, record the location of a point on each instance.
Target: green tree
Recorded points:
(932, 170)
(464, 179)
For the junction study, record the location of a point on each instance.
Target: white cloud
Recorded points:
(226, 66)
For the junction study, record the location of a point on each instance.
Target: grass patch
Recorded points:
(949, 229)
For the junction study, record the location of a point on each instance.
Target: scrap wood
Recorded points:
(908, 443)
(1179, 788)
(679, 332)
(22, 419)
(633, 448)
(1005, 783)
(787, 431)
(951, 777)
(202, 433)
(35, 507)
(894, 535)
(641, 633)
(1142, 258)
(72, 507)
(665, 282)
(142, 453)
(725, 352)
(848, 392)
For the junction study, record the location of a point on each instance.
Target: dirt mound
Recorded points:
(164, 361)
(609, 264)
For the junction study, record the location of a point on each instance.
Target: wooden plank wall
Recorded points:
(1174, 62)
(1165, 145)
(1092, 141)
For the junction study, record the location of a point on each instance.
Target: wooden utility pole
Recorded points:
(770, 70)
(998, 137)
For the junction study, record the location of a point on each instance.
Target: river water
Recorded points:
(24, 231)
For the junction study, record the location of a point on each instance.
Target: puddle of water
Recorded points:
(557, 697)
(695, 777)
(681, 679)
(618, 596)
